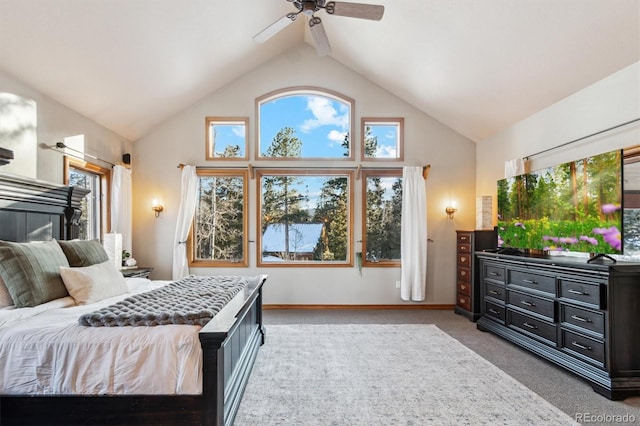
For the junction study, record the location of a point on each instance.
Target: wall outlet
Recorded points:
(397, 284)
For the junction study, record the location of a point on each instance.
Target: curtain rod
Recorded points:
(358, 169)
(528, 157)
(60, 146)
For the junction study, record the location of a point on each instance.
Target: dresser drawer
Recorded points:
(464, 237)
(494, 273)
(591, 349)
(545, 331)
(584, 319)
(464, 248)
(464, 260)
(464, 275)
(464, 301)
(494, 311)
(495, 291)
(543, 283)
(531, 303)
(580, 291)
(464, 288)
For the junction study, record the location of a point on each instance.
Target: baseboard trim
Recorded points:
(363, 307)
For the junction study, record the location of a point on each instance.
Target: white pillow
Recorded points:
(90, 284)
(5, 297)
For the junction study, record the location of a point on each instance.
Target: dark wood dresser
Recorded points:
(468, 290)
(583, 317)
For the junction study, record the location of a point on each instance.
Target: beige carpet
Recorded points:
(389, 374)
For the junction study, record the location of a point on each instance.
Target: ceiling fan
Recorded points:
(309, 8)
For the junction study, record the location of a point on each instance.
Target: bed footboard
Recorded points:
(230, 345)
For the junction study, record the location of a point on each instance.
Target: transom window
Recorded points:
(226, 138)
(304, 123)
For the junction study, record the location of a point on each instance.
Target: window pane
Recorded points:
(305, 218)
(226, 138)
(382, 138)
(383, 217)
(219, 229)
(305, 125)
(90, 205)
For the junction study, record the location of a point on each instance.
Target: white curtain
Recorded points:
(413, 243)
(513, 167)
(186, 211)
(121, 205)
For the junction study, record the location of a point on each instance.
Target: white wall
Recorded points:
(182, 140)
(54, 122)
(605, 104)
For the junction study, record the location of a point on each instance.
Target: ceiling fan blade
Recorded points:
(275, 28)
(373, 12)
(319, 35)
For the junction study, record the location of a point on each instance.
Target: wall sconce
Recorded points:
(450, 211)
(157, 207)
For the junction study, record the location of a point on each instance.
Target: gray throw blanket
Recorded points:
(193, 300)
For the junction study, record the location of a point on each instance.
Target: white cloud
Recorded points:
(239, 131)
(386, 151)
(324, 114)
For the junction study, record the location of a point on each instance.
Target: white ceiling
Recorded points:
(478, 66)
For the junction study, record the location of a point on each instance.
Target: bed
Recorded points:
(32, 210)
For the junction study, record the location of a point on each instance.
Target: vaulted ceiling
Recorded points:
(477, 66)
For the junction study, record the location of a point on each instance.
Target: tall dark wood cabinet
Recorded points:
(584, 317)
(468, 291)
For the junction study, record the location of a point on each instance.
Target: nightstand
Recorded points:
(137, 272)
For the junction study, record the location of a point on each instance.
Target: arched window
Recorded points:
(304, 123)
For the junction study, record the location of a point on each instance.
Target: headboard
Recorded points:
(35, 210)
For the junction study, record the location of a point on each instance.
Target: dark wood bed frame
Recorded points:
(32, 210)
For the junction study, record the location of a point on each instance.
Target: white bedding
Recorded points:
(44, 351)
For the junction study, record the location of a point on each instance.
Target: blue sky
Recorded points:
(320, 122)
(227, 134)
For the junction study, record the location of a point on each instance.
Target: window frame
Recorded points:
(372, 173)
(260, 173)
(191, 249)
(373, 121)
(209, 143)
(305, 91)
(104, 176)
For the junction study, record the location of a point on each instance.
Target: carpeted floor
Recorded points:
(564, 390)
(382, 374)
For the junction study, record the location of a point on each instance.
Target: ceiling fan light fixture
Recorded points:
(309, 8)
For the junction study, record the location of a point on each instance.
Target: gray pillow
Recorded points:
(83, 252)
(31, 272)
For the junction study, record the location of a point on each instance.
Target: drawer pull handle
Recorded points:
(462, 301)
(463, 259)
(526, 324)
(497, 293)
(495, 274)
(463, 238)
(577, 318)
(581, 293)
(530, 281)
(463, 287)
(578, 345)
(525, 303)
(493, 311)
(463, 273)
